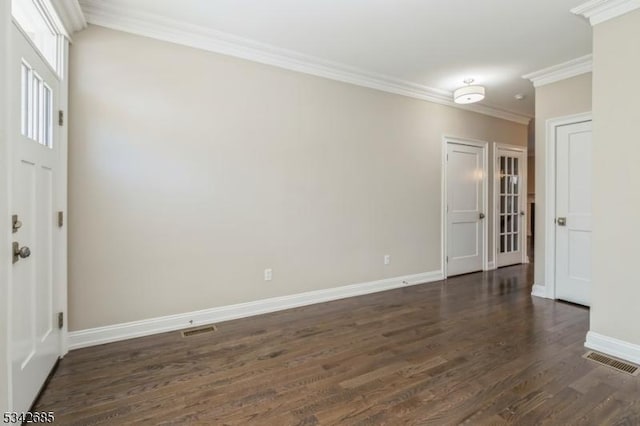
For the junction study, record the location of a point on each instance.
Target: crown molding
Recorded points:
(599, 11)
(70, 14)
(166, 29)
(562, 71)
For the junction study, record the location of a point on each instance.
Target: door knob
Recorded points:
(481, 215)
(20, 252)
(562, 221)
(522, 213)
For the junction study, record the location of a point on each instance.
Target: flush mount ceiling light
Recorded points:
(468, 94)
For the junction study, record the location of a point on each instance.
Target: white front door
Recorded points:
(466, 185)
(35, 338)
(573, 213)
(510, 242)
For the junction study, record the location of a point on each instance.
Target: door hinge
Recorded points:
(60, 118)
(60, 219)
(60, 320)
(447, 259)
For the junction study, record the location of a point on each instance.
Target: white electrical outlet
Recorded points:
(387, 259)
(268, 274)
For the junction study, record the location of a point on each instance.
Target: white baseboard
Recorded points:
(539, 291)
(614, 347)
(130, 330)
(491, 265)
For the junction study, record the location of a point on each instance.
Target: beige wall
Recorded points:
(616, 197)
(566, 97)
(192, 172)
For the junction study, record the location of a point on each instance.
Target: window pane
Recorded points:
(25, 99)
(36, 86)
(47, 127)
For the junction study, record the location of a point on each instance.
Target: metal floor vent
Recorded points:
(607, 361)
(198, 331)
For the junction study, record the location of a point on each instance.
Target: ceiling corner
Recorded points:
(70, 14)
(552, 74)
(598, 11)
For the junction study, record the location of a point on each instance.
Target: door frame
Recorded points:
(484, 145)
(496, 189)
(552, 125)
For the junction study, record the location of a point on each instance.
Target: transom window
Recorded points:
(35, 22)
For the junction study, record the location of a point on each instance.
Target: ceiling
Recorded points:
(433, 43)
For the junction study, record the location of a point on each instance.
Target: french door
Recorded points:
(37, 165)
(510, 206)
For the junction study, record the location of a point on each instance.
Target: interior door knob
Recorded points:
(522, 213)
(562, 221)
(481, 215)
(20, 252)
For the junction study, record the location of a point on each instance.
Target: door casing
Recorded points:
(444, 197)
(550, 198)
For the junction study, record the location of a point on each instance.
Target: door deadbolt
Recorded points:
(562, 221)
(20, 252)
(481, 216)
(15, 223)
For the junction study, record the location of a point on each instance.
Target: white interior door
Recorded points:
(35, 338)
(466, 185)
(573, 212)
(510, 226)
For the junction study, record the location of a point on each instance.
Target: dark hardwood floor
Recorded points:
(476, 349)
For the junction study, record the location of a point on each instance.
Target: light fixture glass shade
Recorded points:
(468, 94)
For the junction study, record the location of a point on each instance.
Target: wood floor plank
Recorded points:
(475, 349)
